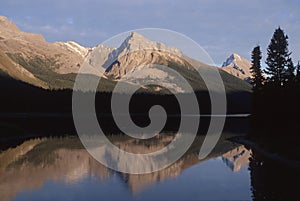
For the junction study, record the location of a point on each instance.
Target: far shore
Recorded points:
(273, 156)
(58, 114)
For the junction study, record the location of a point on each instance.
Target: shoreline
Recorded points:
(66, 114)
(273, 156)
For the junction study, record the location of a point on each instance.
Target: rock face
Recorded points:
(98, 56)
(6, 24)
(18, 72)
(238, 66)
(21, 48)
(29, 58)
(136, 42)
(136, 51)
(132, 62)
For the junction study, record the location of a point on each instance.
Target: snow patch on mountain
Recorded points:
(74, 47)
(238, 66)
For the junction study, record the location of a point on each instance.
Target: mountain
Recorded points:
(136, 50)
(64, 57)
(74, 47)
(132, 61)
(136, 58)
(238, 66)
(29, 58)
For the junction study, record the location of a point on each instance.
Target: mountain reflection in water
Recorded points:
(59, 168)
(63, 159)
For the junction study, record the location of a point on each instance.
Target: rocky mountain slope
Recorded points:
(132, 61)
(141, 51)
(65, 57)
(238, 66)
(28, 57)
(31, 59)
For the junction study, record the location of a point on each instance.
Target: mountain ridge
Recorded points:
(238, 66)
(55, 65)
(19, 45)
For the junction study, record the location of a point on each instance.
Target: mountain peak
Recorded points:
(6, 23)
(136, 35)
(3, 18)
(233, 57)
(236, 56)
(237, 66)
(136, 41)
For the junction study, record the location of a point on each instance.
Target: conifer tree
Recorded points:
(277, 58)
(255, 69)
(290, 72)
(298, 72)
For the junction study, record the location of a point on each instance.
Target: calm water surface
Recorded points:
(59, 168)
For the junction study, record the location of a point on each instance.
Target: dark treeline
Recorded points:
(276, 89)
(29, 111)
(19, 97)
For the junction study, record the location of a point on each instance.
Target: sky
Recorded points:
(221, 27)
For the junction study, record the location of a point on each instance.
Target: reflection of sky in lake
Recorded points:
(207, 180)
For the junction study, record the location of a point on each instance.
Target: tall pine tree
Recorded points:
(255, 69)
(277, 58)
(290, 72)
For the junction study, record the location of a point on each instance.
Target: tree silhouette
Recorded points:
(257, 77)
(290, 72)
(277, 58)
(298, 73)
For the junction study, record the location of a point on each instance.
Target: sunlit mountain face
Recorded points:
(238, 66)
(30, 58)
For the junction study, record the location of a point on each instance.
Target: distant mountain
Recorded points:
(134, 58)
(64, 57)
(135, 54)
(238, 66)
(74, 47)
(140, 51)
(29, 58)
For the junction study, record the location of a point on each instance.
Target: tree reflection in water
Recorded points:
(273, 181)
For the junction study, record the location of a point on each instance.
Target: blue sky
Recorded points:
(220, 27)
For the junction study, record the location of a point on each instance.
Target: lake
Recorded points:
(50, 163)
